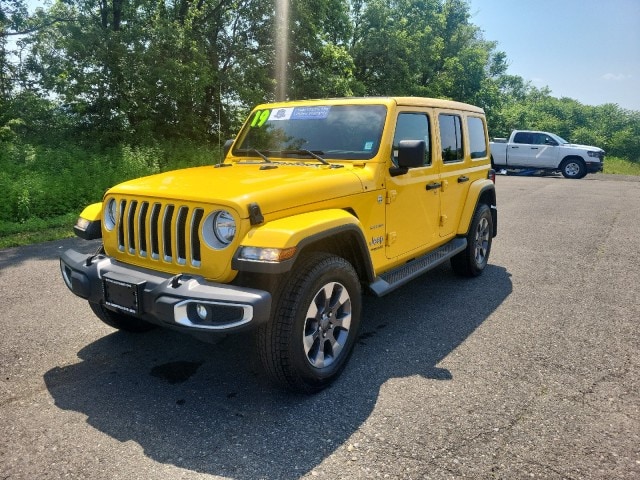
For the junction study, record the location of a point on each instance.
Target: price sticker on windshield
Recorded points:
(260, 117)
(310, 113)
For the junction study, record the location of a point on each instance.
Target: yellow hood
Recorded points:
(238, 185)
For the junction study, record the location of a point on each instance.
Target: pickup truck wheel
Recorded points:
(308, 342)
(120, 321)
(473, 259)
(573, 168)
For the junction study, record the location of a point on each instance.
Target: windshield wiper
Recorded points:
(247, 151)
(315, 155)
(262, 155)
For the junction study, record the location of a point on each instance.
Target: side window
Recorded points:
(477, 140)
(539, 138)
(451, 138)
(412, 126)
(523, 137)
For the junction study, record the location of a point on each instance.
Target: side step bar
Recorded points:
(397, 277)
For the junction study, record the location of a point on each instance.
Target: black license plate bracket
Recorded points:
(123, 292)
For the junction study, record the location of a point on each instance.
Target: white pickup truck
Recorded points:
(531, 150)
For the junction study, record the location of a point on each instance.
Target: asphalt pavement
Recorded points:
(530, 371)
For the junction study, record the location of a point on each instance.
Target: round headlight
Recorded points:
(224, 227)
(219, 229)
(110, 214)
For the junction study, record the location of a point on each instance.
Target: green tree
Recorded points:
(425, 48)
(320, 64)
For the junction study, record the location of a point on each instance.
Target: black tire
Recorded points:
(472, 261)
(120, 321)
(307, 343)
(573, 168)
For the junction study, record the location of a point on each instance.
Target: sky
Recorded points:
(588, 50)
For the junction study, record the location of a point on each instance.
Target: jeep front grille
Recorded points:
(160, 231)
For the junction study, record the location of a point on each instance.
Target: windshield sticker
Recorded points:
(260, 118)
(280, 114)
(368, 146)
(310, 113)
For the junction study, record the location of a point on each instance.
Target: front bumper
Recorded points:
(179, 301)
(595, 167)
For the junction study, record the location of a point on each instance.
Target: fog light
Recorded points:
(202, 311)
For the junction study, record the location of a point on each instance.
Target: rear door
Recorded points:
(453, 163)
(519, 151)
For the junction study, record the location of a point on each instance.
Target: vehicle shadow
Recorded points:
(207, 408)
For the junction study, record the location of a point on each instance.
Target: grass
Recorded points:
(620, 166)
(36, 230)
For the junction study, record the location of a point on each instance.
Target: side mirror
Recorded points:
(411, 153)
(227, 146)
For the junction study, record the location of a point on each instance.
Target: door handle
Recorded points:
(534, 148)
(463, 179)
(433, 186)
(513, 146)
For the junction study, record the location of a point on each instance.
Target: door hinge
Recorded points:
(391, 196)
(391, 238)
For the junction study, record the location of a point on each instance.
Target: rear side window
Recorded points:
(412, 126)
(523, 137)
(451, 138)
(477, 139)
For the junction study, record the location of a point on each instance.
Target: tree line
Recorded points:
(142, 71)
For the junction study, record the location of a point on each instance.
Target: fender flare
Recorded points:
(299, 231)
(476, 191)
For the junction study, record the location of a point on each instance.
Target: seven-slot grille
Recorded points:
(160, 231)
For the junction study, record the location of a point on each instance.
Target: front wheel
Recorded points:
(573, 168)
(120, 321)
(308, 342)
(473, 259)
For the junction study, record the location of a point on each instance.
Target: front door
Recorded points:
(532, 149)
(413, 199)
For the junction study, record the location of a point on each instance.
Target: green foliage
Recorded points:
(43, 182)
(621, 166)
(143, 71)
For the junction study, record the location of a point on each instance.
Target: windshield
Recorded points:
(561, 140)
(350, 132)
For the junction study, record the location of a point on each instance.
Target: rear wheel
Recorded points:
(308, 342)
(120, 321)
(573, 168)
(473, 259)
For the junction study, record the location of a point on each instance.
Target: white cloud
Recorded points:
(616, 77)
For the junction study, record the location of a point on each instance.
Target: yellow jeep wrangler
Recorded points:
(314, 202)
